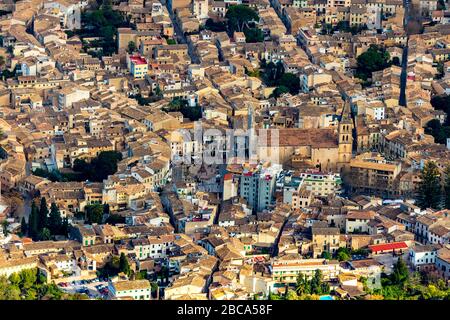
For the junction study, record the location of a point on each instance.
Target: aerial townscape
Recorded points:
(224, 150)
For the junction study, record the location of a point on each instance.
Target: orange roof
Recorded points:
(228, 176)
(27, 240)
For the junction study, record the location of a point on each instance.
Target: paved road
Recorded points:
(403, 77)
(24, 209)
(388, 260)
(93, 292)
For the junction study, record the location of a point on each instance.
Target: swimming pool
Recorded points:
(326, 297)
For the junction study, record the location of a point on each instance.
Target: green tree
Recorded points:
(65, 227)
(131, 47)
(5, 225)
(429, 189)
(171, 41)
(33, 221)
(441, 102)
(327, 28)
(279, 91)
(115, 219)
(45, 234)
(43, 214)
(326, 255)
(438, 131)
(255, 73)
(272, 73)
(343, 254)
(447, 188)
(316, 282)
(105, 164)
(253, 35)
(400, 274)
(396, 61)
(12, 292)
(31, 294)
(291, 295)
(23, 227)
(28, 278)
(100, 167)
(216, 26)
(239, 16)
(15, 279)
(290, 81)
(440, 69)
(374, 59)
(301, 284)
(94, 213)
(124, 265)
(29, 284)
(55, 220)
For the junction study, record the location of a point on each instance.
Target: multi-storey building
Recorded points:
(373, 174)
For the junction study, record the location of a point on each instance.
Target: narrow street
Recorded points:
(288, 28)
(181, 38)
(404, 74)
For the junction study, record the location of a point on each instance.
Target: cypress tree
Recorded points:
(447, 188)
(33, 228)
(43, 214)
(23, 226)
(124, 266)
(65, 227)
(55, 223)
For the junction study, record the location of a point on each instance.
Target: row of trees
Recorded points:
(305, 289)
(343, 254)
(401, 285)
(432, 193)
(42, 224)
(29, 284)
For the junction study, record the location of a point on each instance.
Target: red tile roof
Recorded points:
(138, 60)
(388, 246)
